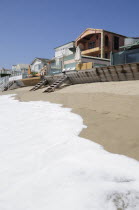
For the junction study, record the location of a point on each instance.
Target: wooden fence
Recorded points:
(101, 74)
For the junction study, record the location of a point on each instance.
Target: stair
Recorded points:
(56, 84)
(39, 85)
(6, 87)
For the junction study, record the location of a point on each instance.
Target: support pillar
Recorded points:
(102, 44)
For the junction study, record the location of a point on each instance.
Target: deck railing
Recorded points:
(4, 81)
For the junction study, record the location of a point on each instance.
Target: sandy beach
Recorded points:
(109, 110)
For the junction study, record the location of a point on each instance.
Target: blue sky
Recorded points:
(32, 28)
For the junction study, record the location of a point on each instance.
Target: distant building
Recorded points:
(20, 68)
(5, 72)
(38, 63)
(129, 53)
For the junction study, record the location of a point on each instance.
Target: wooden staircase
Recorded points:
(56, 84)
(39, 85)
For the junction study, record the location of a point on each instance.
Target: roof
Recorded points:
(22, 66)
(44, 60)
(64, 44)
(97, 31)
(136, 44)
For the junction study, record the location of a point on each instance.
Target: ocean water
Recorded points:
(44, 164)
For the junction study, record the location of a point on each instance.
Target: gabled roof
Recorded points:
(93, 30)
(44, 60)
(88, 29)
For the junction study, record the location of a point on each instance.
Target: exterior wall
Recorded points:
(110, 48)
(64, 50)
(37, 66)
(96, 62)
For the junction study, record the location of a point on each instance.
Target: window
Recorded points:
(106, 55)
(132, 57)
(106, 41)
(116, 43)
(91, 45)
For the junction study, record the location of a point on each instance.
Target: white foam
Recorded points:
(45, 165)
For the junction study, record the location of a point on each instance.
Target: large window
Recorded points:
(91, 45)
(133, 57)
(106, 41)
(116, 43)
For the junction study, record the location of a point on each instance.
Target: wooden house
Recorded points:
(99, 43)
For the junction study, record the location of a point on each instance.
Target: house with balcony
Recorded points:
(99, 43)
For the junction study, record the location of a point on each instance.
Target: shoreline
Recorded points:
(109, 110)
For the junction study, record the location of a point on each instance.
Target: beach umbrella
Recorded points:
(78, 57)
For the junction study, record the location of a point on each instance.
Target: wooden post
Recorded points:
(102, 44)
(29, 70)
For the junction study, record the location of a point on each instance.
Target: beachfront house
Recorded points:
(99, 43)
(38, 63)
(63, 59)
(129, 53)
(64, 56)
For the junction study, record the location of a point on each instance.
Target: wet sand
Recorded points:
(110, 111)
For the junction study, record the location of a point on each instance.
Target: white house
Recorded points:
(38, 63)
(62, 52)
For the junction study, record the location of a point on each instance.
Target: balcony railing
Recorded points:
(90, 51)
